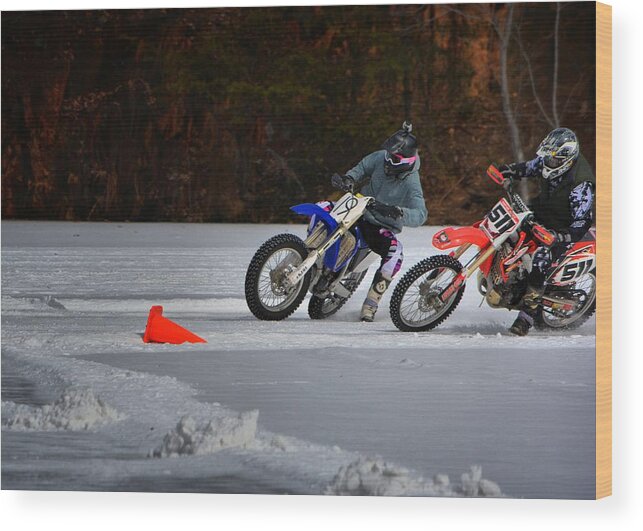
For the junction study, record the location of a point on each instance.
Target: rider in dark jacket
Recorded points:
(390, 175)
(564, 206)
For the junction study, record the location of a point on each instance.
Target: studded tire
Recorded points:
(587, 311)
(418, 270)
(261, 257)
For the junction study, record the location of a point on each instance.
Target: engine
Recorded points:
(498, 292)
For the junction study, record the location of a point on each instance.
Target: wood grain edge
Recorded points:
(604, 250)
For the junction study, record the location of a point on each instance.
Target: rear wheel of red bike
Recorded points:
(583, 292)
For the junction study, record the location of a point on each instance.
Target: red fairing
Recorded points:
(582, 244)
(452, 237)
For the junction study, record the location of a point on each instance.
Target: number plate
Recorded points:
(349, 208)
(500, 220)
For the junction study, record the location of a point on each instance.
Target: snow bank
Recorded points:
(374, 477)
(369, 477)
(76, 409)
(189, 438)
(473, 484)
(285, 444)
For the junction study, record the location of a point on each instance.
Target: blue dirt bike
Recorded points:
(330, 263)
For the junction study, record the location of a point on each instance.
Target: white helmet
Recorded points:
(558, 151)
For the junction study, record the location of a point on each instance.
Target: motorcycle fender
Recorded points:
(571, 269)
(454, 237)
(586, 247)
(311, 209)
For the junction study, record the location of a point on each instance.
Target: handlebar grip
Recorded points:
(543, 235)
(495, 175)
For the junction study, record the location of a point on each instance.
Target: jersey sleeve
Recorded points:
(581, 199)
(363, 169)
(414, 212)
(527, 169)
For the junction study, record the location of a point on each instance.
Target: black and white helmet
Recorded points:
(558, 151)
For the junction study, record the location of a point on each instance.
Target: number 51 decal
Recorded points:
(499, 220)
(573, 270)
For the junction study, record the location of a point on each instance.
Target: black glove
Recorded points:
(342, 182)
(509, 174)
(388, 211)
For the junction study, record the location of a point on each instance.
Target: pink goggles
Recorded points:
(397, 160)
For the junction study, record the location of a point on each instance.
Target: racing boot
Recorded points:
(378, 287)
(522, 324)
(525, 319)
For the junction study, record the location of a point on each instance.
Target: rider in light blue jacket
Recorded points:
(402, 190)
(390, 175)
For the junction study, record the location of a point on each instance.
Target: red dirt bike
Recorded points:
(506, 239)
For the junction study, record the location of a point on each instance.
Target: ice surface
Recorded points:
(332, 395)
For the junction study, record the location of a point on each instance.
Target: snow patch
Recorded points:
(374, 477)
(285, 444)
(190, 438)
(473, 484)
(77, 409)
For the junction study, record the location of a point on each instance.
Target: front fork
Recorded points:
(295, 276)
(460, 251)
(461, 277)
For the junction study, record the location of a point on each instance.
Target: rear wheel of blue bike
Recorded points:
(322, 307)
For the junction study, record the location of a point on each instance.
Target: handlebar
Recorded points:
(507, 183)
(538, 231)
(517, 202)
(495, 175)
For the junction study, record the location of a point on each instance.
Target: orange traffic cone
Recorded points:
(159, 329)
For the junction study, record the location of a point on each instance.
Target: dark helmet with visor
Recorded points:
(558, 151)
(400, 151)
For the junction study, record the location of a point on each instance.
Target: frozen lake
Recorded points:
(75, 298)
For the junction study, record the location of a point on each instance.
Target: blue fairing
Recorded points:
(310, 209)
(361, 244)
(330, 258)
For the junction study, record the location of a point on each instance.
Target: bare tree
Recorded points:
(554, 89)
(489, 13)
(552, 119)
(532, 81)
(504, 33)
